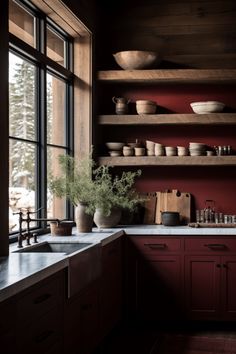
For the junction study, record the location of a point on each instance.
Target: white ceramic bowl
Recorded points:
(115, 153)
(136, 59)
(207, 107)
(114, 146)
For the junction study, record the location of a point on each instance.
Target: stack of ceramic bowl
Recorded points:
(150, 146)
(159, 149)
(171, 151)
(128, 150)
(197, 149)
(182, 151)
(115, 148)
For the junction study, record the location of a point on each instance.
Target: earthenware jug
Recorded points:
(121, 104)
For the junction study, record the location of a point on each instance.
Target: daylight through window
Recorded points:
(40, 114)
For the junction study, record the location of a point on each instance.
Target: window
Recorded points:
(40, 114)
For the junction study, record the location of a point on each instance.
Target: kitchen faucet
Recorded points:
(27, 235)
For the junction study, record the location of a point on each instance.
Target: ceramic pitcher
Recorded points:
(121, 104)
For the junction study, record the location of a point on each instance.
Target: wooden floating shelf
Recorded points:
(169, 76)
(169, 119)
(168, 161)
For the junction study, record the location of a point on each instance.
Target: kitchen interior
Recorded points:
(154, 90)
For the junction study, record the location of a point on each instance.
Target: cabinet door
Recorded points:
(111, 285)
(202, 284)
(89, 319)
(158, 287)
(228, 288)
(81, 322)
(8, 327)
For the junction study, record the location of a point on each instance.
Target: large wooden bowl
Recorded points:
(136, 59)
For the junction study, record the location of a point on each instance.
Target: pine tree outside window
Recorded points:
(40, 114)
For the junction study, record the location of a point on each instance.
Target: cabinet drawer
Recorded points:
(7, 317)
(40, 299)
(211, 245)
(42, 334)
(156, 244)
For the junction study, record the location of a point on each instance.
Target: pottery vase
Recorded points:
(84, 221)
(111, 220)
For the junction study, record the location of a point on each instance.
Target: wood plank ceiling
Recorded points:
(190, 33)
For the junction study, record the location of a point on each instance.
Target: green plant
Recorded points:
(81, 183)
(115, 191)
(75, 182)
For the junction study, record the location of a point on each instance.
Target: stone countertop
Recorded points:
(21, 270)
(177, 230)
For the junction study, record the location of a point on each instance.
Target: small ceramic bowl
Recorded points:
(115, 153)
(145, 107)
(138, 151)
(114, 145)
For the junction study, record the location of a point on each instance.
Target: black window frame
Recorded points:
(44, 65)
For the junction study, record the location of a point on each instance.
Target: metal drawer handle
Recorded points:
(41, 298)
(158, 246)
(43, 336)
(215, 245)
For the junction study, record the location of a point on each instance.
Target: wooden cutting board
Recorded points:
(149, 208)
(174, 200)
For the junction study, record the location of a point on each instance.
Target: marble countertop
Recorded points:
(21, 270)
(177, 230)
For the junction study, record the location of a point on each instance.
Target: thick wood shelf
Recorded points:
(168, 161)
(169, 119)
(169, 76)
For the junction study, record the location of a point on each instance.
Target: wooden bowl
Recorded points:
(63, 228)
(136, 59)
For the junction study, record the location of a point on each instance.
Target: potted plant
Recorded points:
(94, 192)
(112, 194)
(76, 184)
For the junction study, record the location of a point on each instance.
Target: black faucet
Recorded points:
(27, 235)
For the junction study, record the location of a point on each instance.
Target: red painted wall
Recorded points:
(218, 183)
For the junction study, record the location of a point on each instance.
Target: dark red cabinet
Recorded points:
(31, 321)
(81, 321)
(154, 278)
(228, 288)
(202, 284)
(210, 278)
(111, 285)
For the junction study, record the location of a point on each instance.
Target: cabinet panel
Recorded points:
(81, 321)
(228, 288)
(210, 245)
(111, 285)
(156, 245)
(158, 282)
(44, 296)
(42, 334)
(202, 281)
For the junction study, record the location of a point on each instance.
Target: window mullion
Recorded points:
(42, 151)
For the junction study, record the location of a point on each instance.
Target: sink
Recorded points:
(83, 267)
(55, 247)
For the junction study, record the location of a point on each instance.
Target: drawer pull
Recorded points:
(157, 246)
(43, 336)
(215, 245)
(41, 298)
